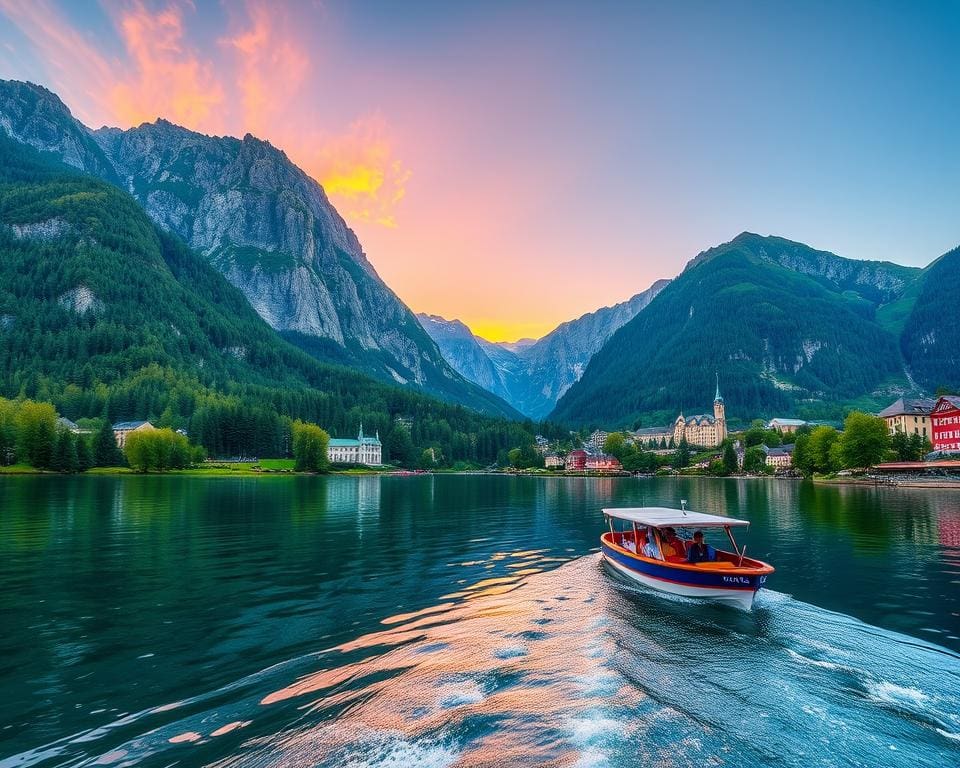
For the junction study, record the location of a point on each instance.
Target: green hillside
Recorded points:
(931, 334)
(783, 341)
(102, 313)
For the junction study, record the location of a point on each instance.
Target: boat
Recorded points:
(731, 577)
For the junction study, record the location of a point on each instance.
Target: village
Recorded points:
(923, 441)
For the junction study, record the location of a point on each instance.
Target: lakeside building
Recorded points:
(123, 428)
(945, 423)
(552, 461)
(909, 416)
(786, 426)
(576, 461)
(703, 429)
(541, 444)
(779, 457)
(362, 450)
(653, 437)
(602, 462)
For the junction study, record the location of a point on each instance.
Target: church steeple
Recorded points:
(360, 436)
(719, 413)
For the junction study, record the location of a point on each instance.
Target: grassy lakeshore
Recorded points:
(263, 468)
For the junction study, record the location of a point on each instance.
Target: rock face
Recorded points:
(533, 375)
(467, 354)
(265, 225)
(35, 116)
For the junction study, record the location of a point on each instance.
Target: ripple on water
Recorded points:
(621, 678)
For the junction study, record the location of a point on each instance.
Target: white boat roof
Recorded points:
(659, 517)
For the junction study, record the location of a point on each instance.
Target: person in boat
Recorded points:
(672, 545)
(700, 551)
(650, 548)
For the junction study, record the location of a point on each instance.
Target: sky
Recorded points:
(515, 165)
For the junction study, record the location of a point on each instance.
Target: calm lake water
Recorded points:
(465, 621)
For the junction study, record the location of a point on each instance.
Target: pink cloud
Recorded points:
(169, 79)
(260, 78)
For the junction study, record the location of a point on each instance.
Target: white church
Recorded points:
(362, 450)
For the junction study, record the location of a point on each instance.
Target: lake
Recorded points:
(465, 621)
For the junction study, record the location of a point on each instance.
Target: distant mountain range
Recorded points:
(790, 330)
(530, 374)
(262, 223)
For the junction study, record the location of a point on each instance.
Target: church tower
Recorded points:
(719, 414)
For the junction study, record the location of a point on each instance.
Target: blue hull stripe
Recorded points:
(682, 576)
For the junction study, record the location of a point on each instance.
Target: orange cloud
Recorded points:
(358, 170)
(256, 79)
(169, 80)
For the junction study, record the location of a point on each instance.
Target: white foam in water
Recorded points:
(402, 754)
(813, 662)
(891, 693)
(592, 758)
(586, 729)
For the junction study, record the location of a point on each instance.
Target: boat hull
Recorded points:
(736, 588)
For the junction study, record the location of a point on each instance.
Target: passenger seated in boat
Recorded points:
(700, 551)
(650, 548)
(672, 546)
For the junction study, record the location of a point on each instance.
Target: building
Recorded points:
(65, 423)
(779, 457)
(945, 423)
(362, 450)
(786, 426)
(552, 461)
(653, 437)
(541, 445)
(597, 439)
(576, 461)
(123, 428)
(909, 416)
(602, 462)
(703, 430)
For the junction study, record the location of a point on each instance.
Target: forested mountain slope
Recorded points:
(790, 330)
(103, 313)
(931, 334)
(262, 223)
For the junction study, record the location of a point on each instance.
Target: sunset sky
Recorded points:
(516, 165)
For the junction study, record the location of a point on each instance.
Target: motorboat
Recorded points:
(660, 548)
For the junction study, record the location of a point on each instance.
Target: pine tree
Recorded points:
(64, 452)
(105, 450)
(84, 454)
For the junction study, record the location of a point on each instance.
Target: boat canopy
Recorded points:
(659, 517)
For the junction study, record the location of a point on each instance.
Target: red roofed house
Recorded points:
(945, 424)
(603, 463)
(576, 461)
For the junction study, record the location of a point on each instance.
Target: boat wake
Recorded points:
(567, 668)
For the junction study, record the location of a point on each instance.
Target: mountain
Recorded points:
(466, 353)
(102, 312)
(532, 375)
(265, 225)
(789, 329)
(931, 335)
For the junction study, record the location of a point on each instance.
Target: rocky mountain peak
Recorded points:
(265, 225)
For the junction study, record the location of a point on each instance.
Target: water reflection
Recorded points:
(181, 604)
